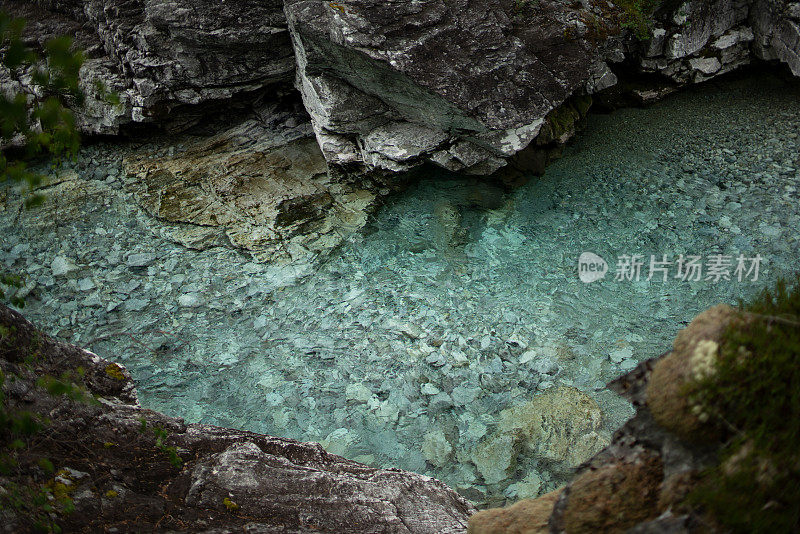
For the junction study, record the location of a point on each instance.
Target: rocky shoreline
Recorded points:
(271, 131)
(100, 461)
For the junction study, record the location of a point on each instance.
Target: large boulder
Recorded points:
(467, 86)
(460, 84)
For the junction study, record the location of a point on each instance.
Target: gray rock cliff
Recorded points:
(389, 86)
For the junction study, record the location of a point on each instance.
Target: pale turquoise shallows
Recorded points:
(403, 349)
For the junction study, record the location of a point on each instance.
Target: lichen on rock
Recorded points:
(693, 356)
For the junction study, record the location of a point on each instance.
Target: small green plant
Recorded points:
(115, 371)
(230, 505)
(520, 5)
(637, 16)
(161, 435)
(755, 394)
(171, 452)
(38, 504)
(37, 124)
(16, 425)
(12, 283)
(65, 385)
(46, 464)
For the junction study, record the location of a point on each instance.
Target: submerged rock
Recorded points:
(261, 186)
(560, 425)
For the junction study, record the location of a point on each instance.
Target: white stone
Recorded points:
(62, 265)
(140, 260)
(86, 284)
(475, 430)
(656, 45)
(358, 393)
(429, 389)
(190, 300)
(706, 65)
(136, 304)
(528, 488)
(527, 356)
(495, 457)
(339, 441)
(436, 448)
(462, 396)
(618, 355)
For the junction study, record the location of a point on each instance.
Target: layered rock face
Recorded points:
(189, 52)
(130, 469)
(461, 84)
(777, 25)
(161, 56)
(468, 86)
(702, 39)
(389, 86)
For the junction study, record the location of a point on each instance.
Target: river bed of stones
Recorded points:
(449, 339)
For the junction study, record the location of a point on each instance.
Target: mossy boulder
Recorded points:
(753, 393)
(693, 356)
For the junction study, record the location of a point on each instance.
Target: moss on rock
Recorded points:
(754, 391)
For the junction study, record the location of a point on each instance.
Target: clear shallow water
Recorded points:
(443, 314)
